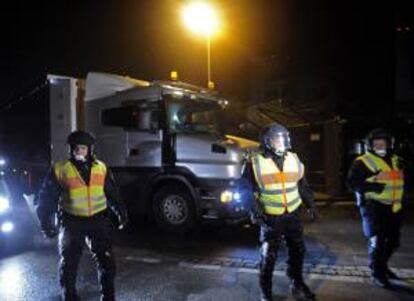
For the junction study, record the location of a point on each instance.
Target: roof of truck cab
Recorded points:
(102, 85)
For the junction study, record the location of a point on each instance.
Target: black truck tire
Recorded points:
(174, 209)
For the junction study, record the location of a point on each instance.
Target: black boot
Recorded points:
(106, 273)
(380, 281)
(69, 292)
(108, 292)
(389, 250)
(377, 263)
(266, 296)
(299, 288)
(265, 286)
(390, 274)
(69, 296)
(108, 298)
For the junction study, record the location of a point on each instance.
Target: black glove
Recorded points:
(120, 217)
(313, 213)
(122, 220)
(400, 163)
(372, 187)
(118, 214)
(49, 231)
(257, 216)
(257, 219)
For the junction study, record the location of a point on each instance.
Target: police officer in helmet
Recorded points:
(280, 188)
(82, 191)
(377, 179)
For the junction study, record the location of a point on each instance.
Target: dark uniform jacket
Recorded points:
(357, 175)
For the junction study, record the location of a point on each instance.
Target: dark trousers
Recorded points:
(96, 232)
(288, 227)
(381, 227)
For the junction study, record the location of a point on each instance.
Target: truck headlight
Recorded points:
(7, 227)
(228, 196)
(4, 204)
(237, 196)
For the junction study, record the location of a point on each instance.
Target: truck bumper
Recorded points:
(226, 204)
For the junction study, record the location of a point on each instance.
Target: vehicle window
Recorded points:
(184, 116)
(131, 117)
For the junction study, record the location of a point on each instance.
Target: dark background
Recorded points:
(146, 39)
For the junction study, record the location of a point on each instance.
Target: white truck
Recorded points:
(162, 141)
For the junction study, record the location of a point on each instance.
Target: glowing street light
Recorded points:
(201, 18)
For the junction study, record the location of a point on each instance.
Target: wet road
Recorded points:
(212, 263)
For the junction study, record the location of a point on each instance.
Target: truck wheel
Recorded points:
(174, 209)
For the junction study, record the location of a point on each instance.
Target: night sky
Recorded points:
(146, 39)
(351, 44)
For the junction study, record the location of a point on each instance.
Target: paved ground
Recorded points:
(212, 263)
(32, 276)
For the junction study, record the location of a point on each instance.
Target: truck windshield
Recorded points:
(194, 116)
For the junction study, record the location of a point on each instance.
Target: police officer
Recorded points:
(378, 182)
(280, 188)
(80, 190)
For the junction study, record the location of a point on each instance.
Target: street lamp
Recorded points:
(201, 18)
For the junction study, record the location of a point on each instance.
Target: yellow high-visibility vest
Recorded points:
(391, 176)
(80, 199)
(278, 189)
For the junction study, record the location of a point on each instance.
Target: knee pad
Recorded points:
(268, 250)
(373, 242)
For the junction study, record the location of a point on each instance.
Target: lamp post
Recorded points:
(202, 19)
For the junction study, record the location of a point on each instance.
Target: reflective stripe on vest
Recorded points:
(391, 176)
(81, 199)
(278, 189)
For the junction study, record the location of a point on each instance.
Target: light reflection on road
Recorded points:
(11, 280)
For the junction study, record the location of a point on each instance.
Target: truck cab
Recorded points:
(164, 143)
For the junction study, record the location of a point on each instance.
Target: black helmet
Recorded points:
(275, 130)
(80, 138)
(379, 133)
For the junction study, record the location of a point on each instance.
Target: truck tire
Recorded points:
(174, 209)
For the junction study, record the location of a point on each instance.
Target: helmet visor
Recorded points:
(280, 142)
(380, 146)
